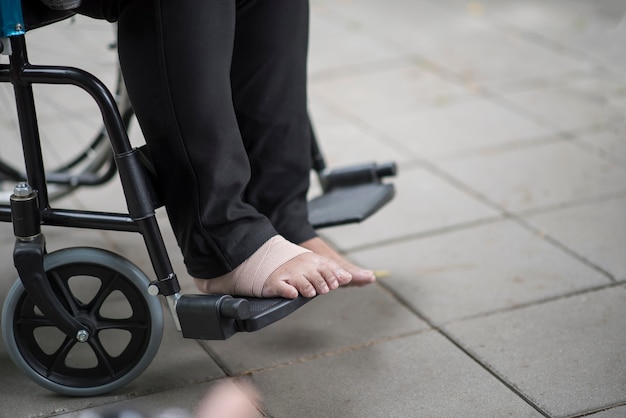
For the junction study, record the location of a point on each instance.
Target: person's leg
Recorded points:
(269, 77)
(269, 81)
(175, 56)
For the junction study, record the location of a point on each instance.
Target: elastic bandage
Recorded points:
(248, 279)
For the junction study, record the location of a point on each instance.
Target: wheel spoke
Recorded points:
(104, 360)
(59, 356)
(33, 323)
(69, 299)
(108, 286)
(106, 294)
(123, 324)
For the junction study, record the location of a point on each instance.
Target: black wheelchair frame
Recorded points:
(41, 297)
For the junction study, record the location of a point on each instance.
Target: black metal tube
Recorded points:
(5, 74)
(28, 258)
(89, 220)
(319, 164)
(80, 219)
(82, 179)
(134, 189)
(27, 118)
(5, 213)
(158, 253)
(98, 91)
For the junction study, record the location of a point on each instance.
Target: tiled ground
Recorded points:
(504, 247)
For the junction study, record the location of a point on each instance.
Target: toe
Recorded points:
(335, 276)
(343, 277)
(362, 277)
(304, 286)
(279, 289)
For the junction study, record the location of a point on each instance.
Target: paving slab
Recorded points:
(579, 19)
(569, 106)
(567, 356)
(343, 319)
(478, 270)
(364, 145)
(457, 38)
(539, 176)
(6, 233)
(416, 27)
(477, 88)
(619, 100)
(462, 53)
(618, 412)
(175, 403)
(478, 123)
(596, 231)
(423, 203)
(323, 114)
(422, 375)
(9, 273)
(337, 44)
(590, 28)
(408, 86)
(608, 144)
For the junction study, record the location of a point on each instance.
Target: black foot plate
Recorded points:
(218, 317)
(349, 204)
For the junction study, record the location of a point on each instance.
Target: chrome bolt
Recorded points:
(18, 26)
(153, 290)
(22, 190)
(82, 336)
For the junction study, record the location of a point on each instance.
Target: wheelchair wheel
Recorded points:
(109, 295)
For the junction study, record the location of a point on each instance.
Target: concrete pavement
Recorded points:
(505, 245)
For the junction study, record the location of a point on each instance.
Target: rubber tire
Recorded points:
(100, 258)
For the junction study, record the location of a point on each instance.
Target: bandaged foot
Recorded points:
(279, 269)
(360, 276)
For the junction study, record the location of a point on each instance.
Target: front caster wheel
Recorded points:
(106, 293)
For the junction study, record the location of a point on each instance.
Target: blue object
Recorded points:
(11, 19)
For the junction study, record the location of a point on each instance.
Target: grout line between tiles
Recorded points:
(457, 344)
(339, 351)
(538, 302)
(421, 235)
(516, 218)
(595, 411)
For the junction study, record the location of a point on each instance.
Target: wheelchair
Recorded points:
(63, 317)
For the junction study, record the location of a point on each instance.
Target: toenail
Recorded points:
(342, 274)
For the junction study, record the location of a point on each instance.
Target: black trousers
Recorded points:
(219, 89)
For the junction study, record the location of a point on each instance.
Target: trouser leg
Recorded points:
(269, 82)
(176, 58)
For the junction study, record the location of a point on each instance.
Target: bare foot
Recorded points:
(360, 277)
(279, 269)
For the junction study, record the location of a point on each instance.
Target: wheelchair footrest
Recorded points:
(218, 317)
(349, 204)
